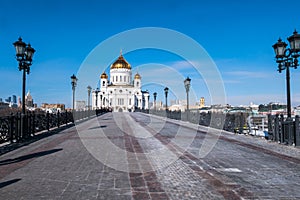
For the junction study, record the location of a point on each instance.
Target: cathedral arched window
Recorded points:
(120, 78)
(116, 78)
(124, 78)
(103, 83)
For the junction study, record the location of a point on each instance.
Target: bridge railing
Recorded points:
(18, 127)
(282, 130)
(235, 122)
(279, 129)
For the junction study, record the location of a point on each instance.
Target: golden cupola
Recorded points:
(103, 76)
(120, 63)
(137, 76)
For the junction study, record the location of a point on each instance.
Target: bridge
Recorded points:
(142, 156)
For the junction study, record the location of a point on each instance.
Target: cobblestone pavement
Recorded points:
(134, 156)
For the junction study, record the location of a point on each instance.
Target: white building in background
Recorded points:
(119, 92)
(80, 105)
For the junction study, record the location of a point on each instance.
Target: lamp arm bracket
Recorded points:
(287, 53)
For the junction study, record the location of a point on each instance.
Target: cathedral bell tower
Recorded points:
(103, 80)
(137, 81)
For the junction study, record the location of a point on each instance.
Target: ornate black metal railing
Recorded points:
(284, 131)
(279, 129)
(235, 122)
(17, 127)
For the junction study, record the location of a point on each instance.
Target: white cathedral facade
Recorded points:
(119, 92)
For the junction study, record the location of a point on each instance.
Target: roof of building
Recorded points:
(137, 76)
(103, 76)
(120, 63)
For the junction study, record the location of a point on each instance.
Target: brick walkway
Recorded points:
(132, 156)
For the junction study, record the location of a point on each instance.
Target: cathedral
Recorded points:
(119, 92)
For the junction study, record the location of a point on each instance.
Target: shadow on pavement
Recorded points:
(97, 127)
(29, 156)
(13, 146)
(6, 183)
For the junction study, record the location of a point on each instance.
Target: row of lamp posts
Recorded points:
(24, 54)
(187, 84)
(285, 57)
(89, 89)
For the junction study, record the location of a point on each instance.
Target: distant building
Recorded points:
(14, 99)
(3, 105)
(19, 102)
(202, 102)
(8, 100)
(272, 108)
(11, 101)
(53, 108)
(80, 105)
(297, 110)
(28, 100)
(174, 102)
(55, 105)
(177, 107)
(157, 106)
(120, 92)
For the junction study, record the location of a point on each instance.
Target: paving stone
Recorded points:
(160, 164)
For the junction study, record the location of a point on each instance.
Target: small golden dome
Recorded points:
(137, 76)
(120, 63)
(103, 76)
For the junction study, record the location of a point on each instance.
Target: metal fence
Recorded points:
(234, 122)
(18, 127)
(279, 129)
(286, 131)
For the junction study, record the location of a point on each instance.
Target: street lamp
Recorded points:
(89, 89)
(155, 95)
(166, 95)
(74, 83)
(24, 54)
(187, 84)
(96, 103)
(287, 58)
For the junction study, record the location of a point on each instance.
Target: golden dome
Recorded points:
(103, 76)
(137, 76)
(120, 63)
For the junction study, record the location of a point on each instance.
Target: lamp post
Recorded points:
(96, 92)
(101, 101)
(166, 95)
(89, 89)
(74, 83)
(155, 95)
(287, 58)
(24, 54)
(187, 84)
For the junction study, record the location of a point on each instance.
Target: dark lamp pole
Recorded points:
(166, 95)
(96, 102)
(74, 83)
(287, 58)
(24, 54)
(187, 84)
(154, 95)
(89, 89)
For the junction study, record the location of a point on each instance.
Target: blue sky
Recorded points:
(238, 36)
